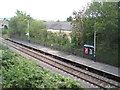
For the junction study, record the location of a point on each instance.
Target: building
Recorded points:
(3, 23)
(56, 27)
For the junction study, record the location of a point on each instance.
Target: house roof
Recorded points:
(3, 23)
(66, 26)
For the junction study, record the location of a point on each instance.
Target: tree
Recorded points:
(18, 24)
(22, 23)
(102, 18)
(38, 30)
(69, 19)
(77, 29)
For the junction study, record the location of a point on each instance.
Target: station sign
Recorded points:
(88, 49)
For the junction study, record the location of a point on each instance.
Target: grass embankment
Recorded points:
(19, 72)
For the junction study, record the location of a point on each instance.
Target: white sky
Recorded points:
(41, 9)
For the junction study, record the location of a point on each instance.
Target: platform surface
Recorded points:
(89, 63)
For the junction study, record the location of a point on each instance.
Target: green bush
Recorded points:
(107, 55)
(19, 72)
(4, 32)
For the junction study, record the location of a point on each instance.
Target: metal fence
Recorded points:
(66, 49)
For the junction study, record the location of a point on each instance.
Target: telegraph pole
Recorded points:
(94, 57)
(28, 27)
(28, 31)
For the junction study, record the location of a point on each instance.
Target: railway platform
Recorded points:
(80, 60)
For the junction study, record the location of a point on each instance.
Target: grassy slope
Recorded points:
(24, 73)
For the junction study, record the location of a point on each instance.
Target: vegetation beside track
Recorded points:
(99, 17)
(19, 72)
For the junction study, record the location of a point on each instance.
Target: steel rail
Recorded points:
(59, 65)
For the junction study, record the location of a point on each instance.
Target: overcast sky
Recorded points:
(42, 9)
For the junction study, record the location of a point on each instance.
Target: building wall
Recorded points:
(3, 23)
(57, 31)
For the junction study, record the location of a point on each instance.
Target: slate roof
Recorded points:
(66, 26)
(3, 22)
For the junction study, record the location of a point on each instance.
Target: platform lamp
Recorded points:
(28, 30)
(28, 26)
(94, 56)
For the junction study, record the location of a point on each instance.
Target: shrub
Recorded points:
(19, 72)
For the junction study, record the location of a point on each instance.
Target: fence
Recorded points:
(66, 49)
(104, 57)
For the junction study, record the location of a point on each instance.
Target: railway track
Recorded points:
(96, 80)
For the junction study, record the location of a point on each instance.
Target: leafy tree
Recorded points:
(22, 23)
(77, 32)
(102, 18)
(38, 30)
(18, 24)
(69, 19)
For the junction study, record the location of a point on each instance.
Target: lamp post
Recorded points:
(28, 31)
(94, 57)
(28, 26)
